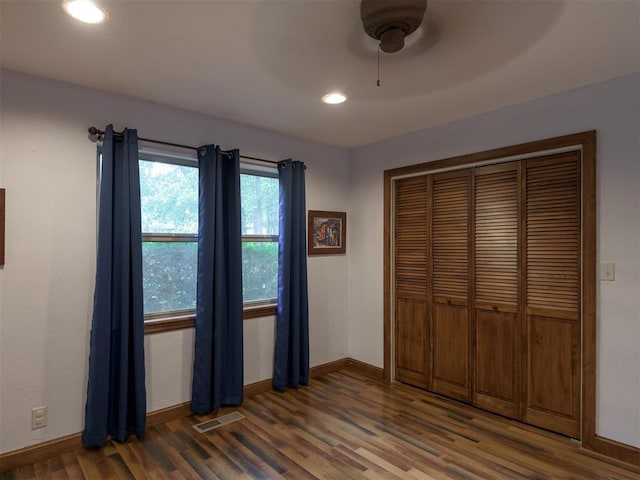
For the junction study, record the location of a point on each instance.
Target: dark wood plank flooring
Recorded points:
(342, 426)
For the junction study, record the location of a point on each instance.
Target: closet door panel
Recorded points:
(411, 275)
(497, 362)
(450, 284)
(497, 352)
(411, 339)
(451, 351)
(553, 293)
(553, 399)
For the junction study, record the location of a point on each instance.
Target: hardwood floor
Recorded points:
(343, 426)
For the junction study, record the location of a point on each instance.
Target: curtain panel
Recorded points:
(218, 372)
(291, 358)
(116, 396)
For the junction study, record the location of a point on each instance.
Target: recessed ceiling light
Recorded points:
(85, 10)
(334, 98)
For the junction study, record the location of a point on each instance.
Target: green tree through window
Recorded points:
(169, 208)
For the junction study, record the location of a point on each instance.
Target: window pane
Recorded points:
(168, 197)
(259, 205)
(169, 275)
(259, 271)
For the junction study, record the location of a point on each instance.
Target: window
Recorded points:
(169, 208)
(259, 201)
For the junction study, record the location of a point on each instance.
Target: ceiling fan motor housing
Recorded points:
(390, 21)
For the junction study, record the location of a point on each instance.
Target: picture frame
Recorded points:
(327, 232)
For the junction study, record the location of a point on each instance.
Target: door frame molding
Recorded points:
(586, 142)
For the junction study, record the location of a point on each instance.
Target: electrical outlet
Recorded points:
(608, 271)
(38, 417)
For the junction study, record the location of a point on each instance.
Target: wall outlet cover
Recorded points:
(38, 417)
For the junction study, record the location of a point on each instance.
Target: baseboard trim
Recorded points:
(617, 450)
(365, 369)
(257, 388)
(37, 453)
(325, 368)
(263, 386)
(169, 413)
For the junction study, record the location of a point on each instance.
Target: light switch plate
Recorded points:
(608, 271)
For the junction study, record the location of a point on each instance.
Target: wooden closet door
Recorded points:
(411, 248)
(552, 397)
(450, 332)
(497, 329)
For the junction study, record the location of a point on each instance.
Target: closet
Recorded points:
(486, 287)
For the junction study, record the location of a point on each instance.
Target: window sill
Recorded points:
(181, 322)
(169, 324)
(259, 311)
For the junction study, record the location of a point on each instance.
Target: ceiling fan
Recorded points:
(390, 21)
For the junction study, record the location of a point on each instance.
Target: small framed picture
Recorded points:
(327, 232)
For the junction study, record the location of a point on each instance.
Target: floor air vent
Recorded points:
(218, 422)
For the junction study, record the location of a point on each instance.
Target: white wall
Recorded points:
(612, 108)
(48, 167)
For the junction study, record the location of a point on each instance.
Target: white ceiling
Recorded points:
(267, 63)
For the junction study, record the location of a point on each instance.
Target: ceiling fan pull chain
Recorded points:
(378, 65)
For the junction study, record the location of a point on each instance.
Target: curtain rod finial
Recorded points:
(95, 134)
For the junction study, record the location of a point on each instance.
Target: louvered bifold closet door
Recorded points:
(411, 242)
(553, 292)
(450, 332)
(498, 352)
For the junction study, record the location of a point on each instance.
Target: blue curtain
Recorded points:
(116, 397)
(291, 359)
(218, 376)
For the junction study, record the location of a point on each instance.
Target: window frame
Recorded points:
(158, 322)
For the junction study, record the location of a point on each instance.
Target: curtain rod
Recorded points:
(97, 133)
